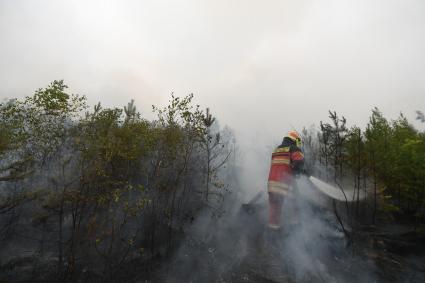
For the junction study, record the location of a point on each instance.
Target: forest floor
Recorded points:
(241, 250)
(246, 253)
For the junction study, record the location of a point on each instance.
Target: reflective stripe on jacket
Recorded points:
(285, 160)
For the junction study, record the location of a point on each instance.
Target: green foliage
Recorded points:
(107, 183)
(387, 159)
(53, 100)
(332, 138)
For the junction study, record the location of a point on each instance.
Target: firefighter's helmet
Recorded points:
(293, 135)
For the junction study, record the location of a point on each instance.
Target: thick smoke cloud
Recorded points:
(238, 247)
(297, 58)
(263, 68)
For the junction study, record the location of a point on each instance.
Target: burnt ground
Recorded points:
(239, 249)
(248, 253)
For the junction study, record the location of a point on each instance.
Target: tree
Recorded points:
(99, 190)
(355, 160)
(333, 136)
(378, 136)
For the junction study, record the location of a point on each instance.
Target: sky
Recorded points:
(263, 67)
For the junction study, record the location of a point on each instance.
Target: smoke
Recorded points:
(297, 58)
(260, 67)
(238, 247)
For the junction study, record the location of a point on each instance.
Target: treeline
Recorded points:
(385, 163)
(83, 192)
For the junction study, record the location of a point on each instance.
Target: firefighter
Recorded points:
(287, 161)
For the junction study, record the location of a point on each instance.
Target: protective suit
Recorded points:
(287, 161)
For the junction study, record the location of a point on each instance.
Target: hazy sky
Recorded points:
(262, 66)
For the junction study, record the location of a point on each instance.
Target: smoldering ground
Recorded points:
(238, 247)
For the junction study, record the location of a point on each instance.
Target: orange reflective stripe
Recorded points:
(281, 149)
(278, 188)
(278, 184)
(286, 156)
(280, 161)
